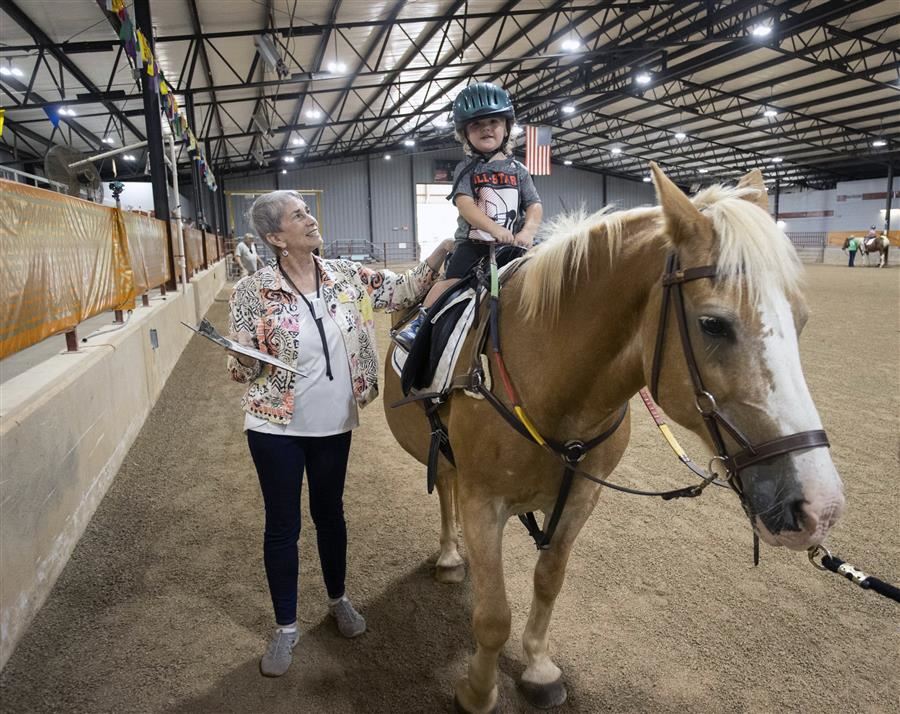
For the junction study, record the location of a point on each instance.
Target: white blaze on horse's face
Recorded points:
(788, 402)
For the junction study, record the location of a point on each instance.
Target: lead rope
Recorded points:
(852, 573)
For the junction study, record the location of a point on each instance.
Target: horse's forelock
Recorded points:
(751, 246)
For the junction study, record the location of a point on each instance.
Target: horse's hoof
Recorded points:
(543, 696)
(450, 574)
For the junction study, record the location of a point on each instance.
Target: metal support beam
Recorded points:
(887, 205)
(39, 36)
(153, 122)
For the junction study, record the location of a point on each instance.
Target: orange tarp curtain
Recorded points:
(62, 260)
(147, 241)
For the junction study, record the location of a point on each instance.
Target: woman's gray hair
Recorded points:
(508, 147)
(266, 212)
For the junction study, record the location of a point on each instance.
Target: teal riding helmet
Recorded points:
(481, 100)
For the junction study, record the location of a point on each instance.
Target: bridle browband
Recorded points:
(672, 280)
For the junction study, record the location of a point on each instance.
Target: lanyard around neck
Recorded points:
(316, 318)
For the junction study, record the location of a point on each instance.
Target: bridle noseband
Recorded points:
(672, 280)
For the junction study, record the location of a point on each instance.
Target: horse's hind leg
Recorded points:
(449, 567)
(476, 693)
(542, 683)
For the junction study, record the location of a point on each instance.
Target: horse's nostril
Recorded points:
(795, 515)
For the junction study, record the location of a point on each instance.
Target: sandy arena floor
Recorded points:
(164, 608)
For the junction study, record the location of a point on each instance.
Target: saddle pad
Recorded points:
(447, 362)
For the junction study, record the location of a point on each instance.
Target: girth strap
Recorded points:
(440, 443)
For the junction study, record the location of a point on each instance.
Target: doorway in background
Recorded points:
(435, 216)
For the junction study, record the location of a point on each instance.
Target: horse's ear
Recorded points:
(754, 180)
(681, 216)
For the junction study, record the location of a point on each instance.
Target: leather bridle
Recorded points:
(672, 280)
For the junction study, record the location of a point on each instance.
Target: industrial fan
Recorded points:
(82, 181)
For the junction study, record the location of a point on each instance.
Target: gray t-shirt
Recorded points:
(502, 190)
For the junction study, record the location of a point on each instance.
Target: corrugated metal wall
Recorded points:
(347, 186)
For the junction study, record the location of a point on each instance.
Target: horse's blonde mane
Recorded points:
(750, 245)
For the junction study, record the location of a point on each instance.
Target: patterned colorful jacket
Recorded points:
(264, 305)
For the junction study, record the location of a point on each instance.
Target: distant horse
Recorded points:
(583, 326)
(877, 245)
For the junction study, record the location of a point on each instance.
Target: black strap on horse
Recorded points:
(440, 441)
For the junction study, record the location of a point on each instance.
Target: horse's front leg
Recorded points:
(482, 522)
(542, 683)
(449, 567)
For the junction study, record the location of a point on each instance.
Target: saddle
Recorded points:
(429, 366)
(430, 362)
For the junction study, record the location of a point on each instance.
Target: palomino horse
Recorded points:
(579, 327)
(877, 245)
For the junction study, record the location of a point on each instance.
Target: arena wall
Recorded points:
(848, 209)
(391, 186)
(66, 425)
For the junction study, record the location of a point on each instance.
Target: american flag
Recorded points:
(537, 150)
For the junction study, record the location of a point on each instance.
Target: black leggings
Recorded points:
(280, 462)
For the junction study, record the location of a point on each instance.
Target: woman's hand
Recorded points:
(436, 259)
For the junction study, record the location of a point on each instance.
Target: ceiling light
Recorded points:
(761, 31)
(337, 67)
(567, 162)
(107, 140)
(615, 150)
(879, 142)
(647, 179)
(643, 78)
(568, 109)
(298, 141)
(770, 113)
(5, 71)
(409, 142)
(283, 171)
(571, 45)
(128, 157)
(387, 157)
(680, 135)
(781, 224)
(777, 159)
(313, 113)
(288, 159)
(516, 130)
(16, 72)
(703, 171)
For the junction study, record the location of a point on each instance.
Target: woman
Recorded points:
(315, 315)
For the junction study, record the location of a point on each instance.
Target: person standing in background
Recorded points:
(247, 257)
(851, 246)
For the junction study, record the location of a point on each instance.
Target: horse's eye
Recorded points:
(715, 326)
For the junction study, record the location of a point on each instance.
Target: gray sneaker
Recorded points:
(350, 623)
(278, 656)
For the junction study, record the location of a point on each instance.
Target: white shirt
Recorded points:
(322, 407)
(247, 255)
